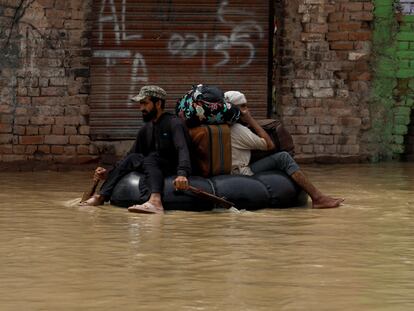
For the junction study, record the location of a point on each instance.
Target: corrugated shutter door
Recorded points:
(174, 44)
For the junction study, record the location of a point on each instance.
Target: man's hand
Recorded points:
(100, 174)
(245, 115)
(181, 183)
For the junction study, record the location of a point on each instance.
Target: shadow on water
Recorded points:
(57, 255)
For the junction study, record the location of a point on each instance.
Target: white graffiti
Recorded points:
(406, 7)
(222, 11)
(111, 56)
(190, 45)
(112, 14)
(139, 72)
(119, 26)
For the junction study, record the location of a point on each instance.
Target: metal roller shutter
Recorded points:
(174, 44)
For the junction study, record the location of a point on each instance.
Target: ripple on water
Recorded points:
(57, 255)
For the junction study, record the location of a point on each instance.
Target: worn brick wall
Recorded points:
(44, 82)
(392, 94)
(325, 77)
(333, 87)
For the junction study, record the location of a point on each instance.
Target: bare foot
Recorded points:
(95, 200)
(326, 202)
(147, 208)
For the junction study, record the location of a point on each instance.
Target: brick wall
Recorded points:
(344, 95)
(325, 78)
(44, 82)
(393, 88)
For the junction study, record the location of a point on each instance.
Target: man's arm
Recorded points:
(247, 118)
(181, 146)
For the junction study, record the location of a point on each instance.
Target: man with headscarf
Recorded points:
(243, 141)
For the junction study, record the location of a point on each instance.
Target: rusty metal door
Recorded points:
(174, 44)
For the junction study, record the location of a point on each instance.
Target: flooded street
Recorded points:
(58, 256)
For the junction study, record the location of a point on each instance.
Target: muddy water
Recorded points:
(57, 256)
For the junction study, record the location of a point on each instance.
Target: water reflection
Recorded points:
(55, 255)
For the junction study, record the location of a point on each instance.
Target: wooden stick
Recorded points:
(211, 197)
(91, 191)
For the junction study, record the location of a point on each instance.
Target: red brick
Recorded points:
(368, 6)
(350, 121)
(22, 100)
(82, 149)
(45, 130)
(32, 140)
(342, 45)
(321, 139)
(70, 130)
(14, 157)
(21, 120)
(362, 16)
(351, 6)
(326, 120)
(47, 4)
(20, 111)
(360, 76)
(301, 139)
(79, 140)
(56, 149)
(312, 37)
(5, 128)
(351, 26)
(337, 36)
(56, 139)
(32, 130)
(19, 130)
(44, 148)
(31, 91)
(30, 149)
(360, 36)
(58, 130)
(42, 120)
(19, 149)
(316, 28)
(84, 130)
(6, 108)
(338, 17)
(69, 150)
(53, 91)
(6, 149)
(299, 120)
(307, 149)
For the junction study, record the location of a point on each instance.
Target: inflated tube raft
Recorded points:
(264, 190)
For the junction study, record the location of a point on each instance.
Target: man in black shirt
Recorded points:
(160, 149)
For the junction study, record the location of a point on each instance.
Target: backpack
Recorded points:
(206, 105)
(281, 138)
(211, 149)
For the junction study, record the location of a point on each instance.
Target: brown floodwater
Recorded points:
(55, 255)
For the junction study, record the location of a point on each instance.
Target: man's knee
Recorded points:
(132, 160)
(133, 156)
(151, 159)
(282, 156)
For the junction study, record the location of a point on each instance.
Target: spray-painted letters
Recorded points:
(190, 45)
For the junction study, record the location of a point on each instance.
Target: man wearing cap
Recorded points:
(160, 149)
(243, 140)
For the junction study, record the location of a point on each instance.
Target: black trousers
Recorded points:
(155, 169)
(153, 166)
